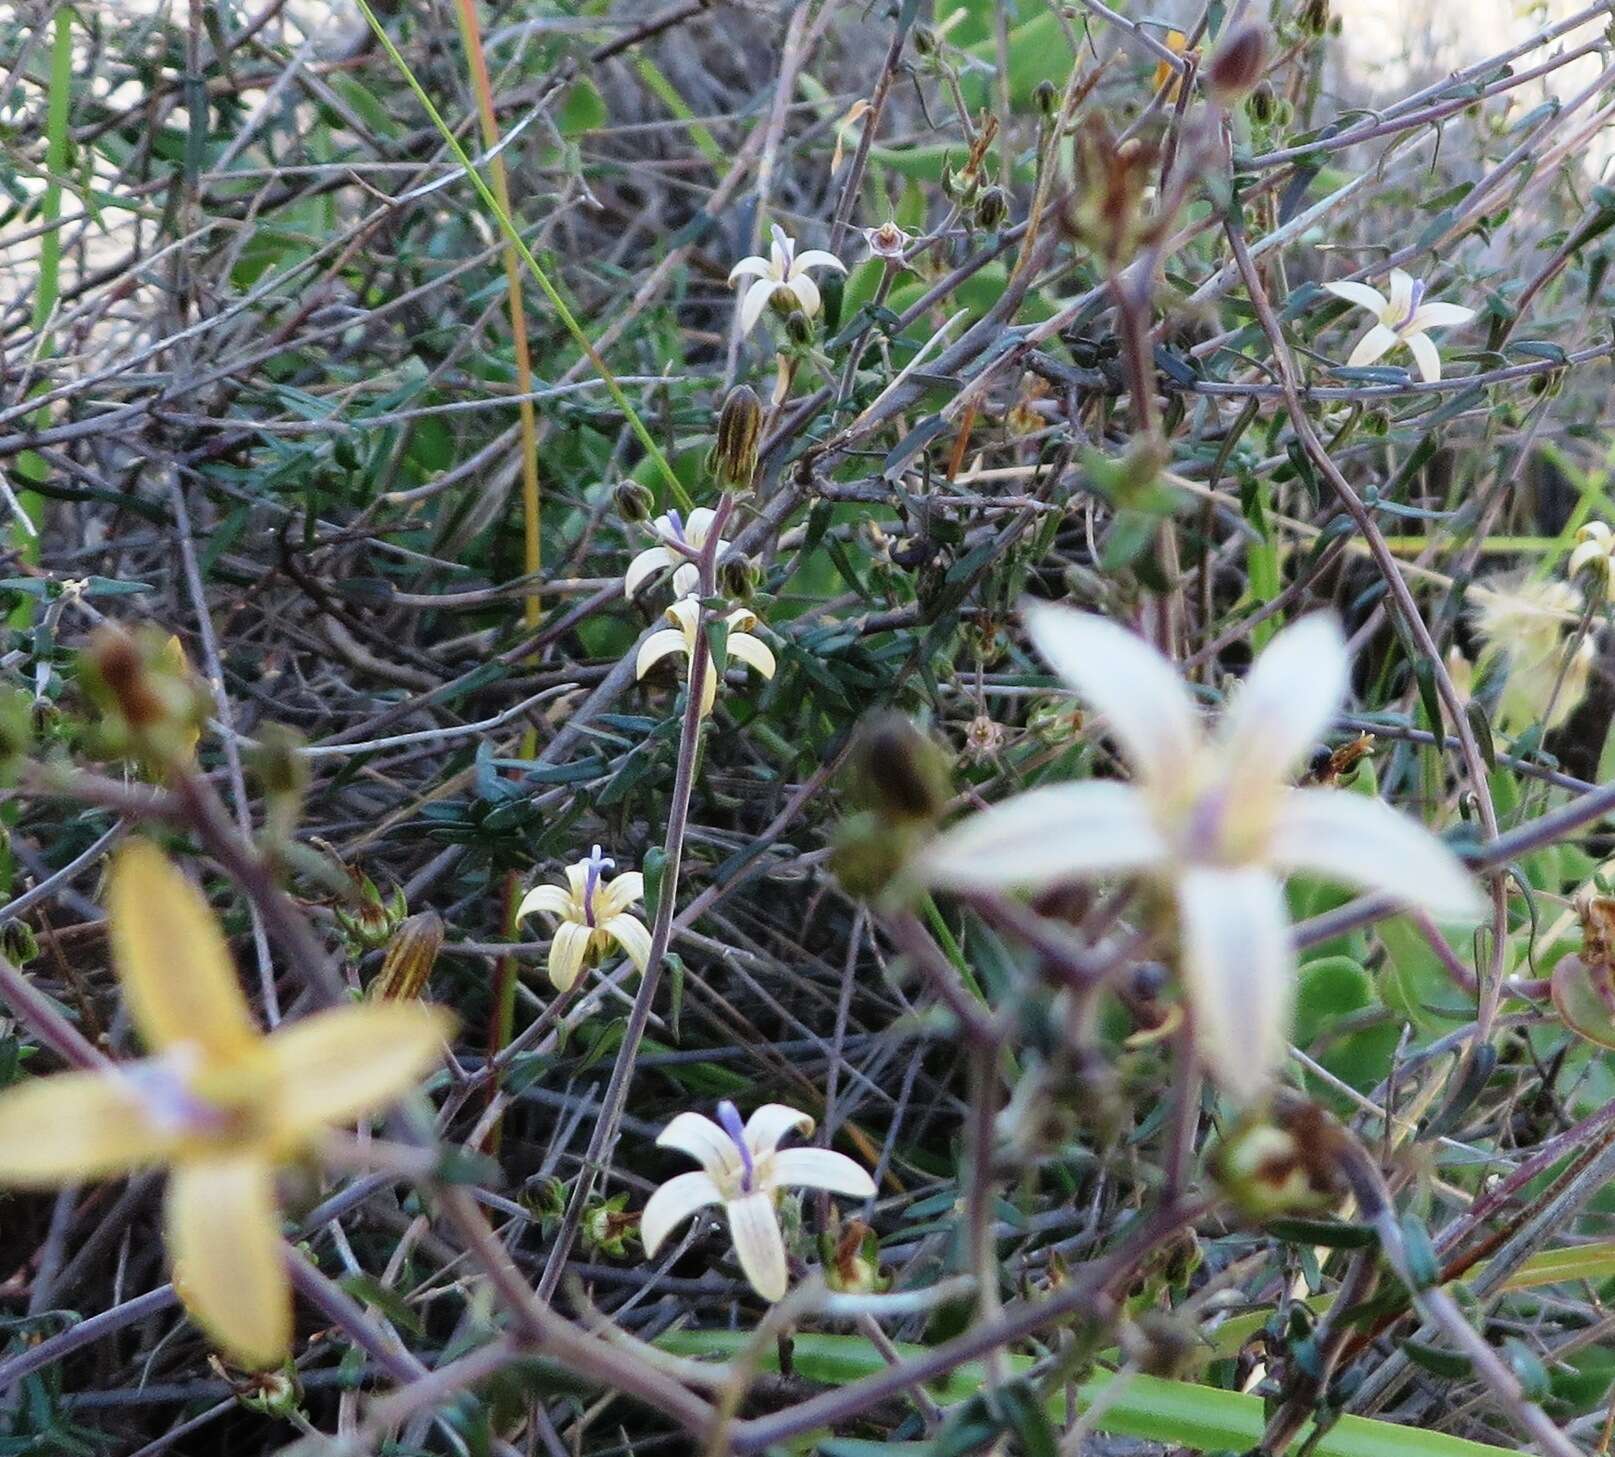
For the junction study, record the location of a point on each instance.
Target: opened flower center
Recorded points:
(165, 1087)
(1414, 300)
(595, 865)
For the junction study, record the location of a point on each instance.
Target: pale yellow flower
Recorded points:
(593, 917)
(743, 1168)
(782, 274)
(1212, 819)
(1403, 318)
(673, 528)
(680, 638)
(218, 1102)
(1524, 624)
(1595, 550)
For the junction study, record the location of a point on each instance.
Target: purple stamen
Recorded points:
(729, 1120)
(677, 523)
(1413, 305)
(591, 879)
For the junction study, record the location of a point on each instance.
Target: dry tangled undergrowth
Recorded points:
(603, 595)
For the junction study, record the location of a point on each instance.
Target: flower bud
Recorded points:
(992, 207)
(282, 770)
(1314, 17)
(18, 943)
(154, 707)
(1046, 98)
(1263, 104)
(1238, 62)
(899, 772)
(1286, 1162)
(926, 42)
(411, 955)
(733, 458)
(738, 578)
(799, 328)
(634, 501)
(368, 921)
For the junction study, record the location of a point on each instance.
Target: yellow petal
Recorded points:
(567, 953)
(172, 958)
(335, 1066)
(225, 1245)
(80, 1125)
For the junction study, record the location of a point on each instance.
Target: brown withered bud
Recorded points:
(634, 502)
(1106, 212)
(411, 955)
(733, 459)
(992, 207)
(898, 771)
(1237, 64)
(154, 706)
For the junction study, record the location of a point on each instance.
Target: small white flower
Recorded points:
(783, 272)
(743, 1168)
(887, 241)
(593, 917)
(671, 527)
(1212, 819)
(1403, 318)
(1595, 549)
(680, 638)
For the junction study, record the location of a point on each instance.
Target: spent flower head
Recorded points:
(1211, 818)
(744, 1168)
(680, 638)
(1524, 624)
(888, 241)
(1403, 318)
(680, 537)
(217, 1102)
(781, 279)
(593, 917)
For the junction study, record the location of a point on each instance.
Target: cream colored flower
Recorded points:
(671, 527)
(1404, 318)
(680, 638)
(1524, 624)
(218, 1103)
(784, 274)
(593, 917)
(1210, 818)
(744, 1168)
(1595, 549)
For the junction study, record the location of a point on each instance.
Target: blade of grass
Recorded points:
(513, 235)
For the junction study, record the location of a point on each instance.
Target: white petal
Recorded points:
(754, 1226)
(807, 294)
(1424, 352)
(620, 892)
(567, 951)
(643, 566)
(656, 647)
(1439, 316)
(822, 1168)
(753, 651)
(1401, 294)
(629, 932)
(1056, 833)
(1371, 346)
(781, 250)
(1366, 844)
(684, 614)
(752, 267)
(705, 1142)
(550, 898)
(672, 1204)
(1238, 967)
(1361, 295)
(1127, 680)
(772, 1122)
(1283, 707)
(817, 258)
(696, 528)
(755, 301)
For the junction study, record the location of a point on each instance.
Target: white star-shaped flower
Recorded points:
(783, 273)
(1211, 819)
(593, 914)
(671, 527)
(1404, 318)
(743, 1168)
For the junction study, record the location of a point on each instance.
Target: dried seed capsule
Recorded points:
(411, 955)
(733, 458)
